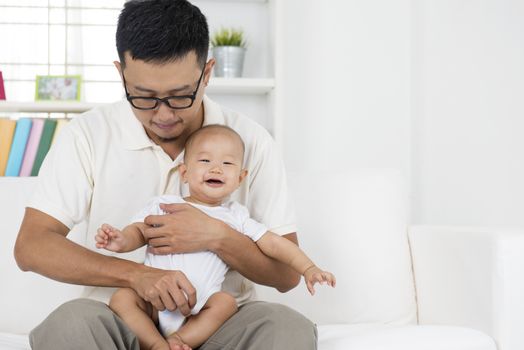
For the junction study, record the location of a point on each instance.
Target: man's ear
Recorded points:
(118, 66)
(242, 175)
(207, 71)
(182, 168)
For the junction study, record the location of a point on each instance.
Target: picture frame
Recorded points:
(58, 87)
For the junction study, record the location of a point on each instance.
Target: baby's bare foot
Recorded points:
(176, 343)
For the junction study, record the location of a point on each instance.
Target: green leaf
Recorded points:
(228, 37)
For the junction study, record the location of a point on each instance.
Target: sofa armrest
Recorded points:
(472, 277)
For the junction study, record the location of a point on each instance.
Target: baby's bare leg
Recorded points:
(198, 328)
(138, 315)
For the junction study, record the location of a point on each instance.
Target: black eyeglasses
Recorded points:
(174, 102)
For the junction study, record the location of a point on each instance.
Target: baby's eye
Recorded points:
(204, 160)
(228, 163)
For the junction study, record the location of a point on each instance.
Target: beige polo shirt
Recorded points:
(103, 168)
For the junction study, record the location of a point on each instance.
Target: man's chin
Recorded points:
(167, 139)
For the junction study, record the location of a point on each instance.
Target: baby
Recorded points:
(212, 169)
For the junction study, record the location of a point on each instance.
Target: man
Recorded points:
(109, 162)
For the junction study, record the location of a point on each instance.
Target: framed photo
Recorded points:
(58, 87)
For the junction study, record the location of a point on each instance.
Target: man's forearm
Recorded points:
(42, 247)
(62, 260)
(243, 255)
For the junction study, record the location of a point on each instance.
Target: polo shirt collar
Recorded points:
(135, 137)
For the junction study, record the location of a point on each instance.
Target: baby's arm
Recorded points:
(130, 238)
(289, 253)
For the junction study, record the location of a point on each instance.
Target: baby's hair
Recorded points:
(212, 127)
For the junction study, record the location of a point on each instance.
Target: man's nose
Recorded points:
(164, 112)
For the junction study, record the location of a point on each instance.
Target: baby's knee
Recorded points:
(224, 301)
(230, 302)
(123, 298)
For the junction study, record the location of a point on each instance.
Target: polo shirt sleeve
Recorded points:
(269, 199)
(65, 181)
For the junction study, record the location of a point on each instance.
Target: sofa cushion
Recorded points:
(384, 337)
(355, 225)
(364, 337)
(14, 342)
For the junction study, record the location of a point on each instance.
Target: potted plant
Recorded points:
(228, 47)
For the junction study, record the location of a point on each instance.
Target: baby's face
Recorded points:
(213, 167)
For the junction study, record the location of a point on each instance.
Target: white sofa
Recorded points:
(398, 287)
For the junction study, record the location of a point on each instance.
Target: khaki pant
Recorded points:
(88, 324)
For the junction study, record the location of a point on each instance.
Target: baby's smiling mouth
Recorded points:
(214, 182)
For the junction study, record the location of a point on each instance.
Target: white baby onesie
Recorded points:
(205, 270)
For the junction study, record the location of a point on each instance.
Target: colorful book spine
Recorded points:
(2, 88)
(32, 147)
(44, 145)
(7, 130)
(16, 155)
(59, 125)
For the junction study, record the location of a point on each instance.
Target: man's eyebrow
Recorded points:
(143, 89)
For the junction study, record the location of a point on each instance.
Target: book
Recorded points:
(16, 154)
(7, 130)
(59, 125)
(44, 145)
(32, 147)
(2, 88)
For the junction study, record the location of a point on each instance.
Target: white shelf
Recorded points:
(46, 107)
(240, 86)
(235, 86)
(198, 2)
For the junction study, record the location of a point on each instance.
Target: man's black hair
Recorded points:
(161, 31)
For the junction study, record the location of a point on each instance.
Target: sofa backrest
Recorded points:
(355, 225)
(27, 298)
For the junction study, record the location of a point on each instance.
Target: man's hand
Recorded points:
(184, 229)
(165, 289)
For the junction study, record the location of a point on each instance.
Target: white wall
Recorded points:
(468, 109)
(346, 76)
(432, 87)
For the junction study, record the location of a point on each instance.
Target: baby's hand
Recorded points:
(315, 275)
(109, 238)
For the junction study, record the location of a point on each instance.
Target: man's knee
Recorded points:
(73, 314)
(281, 321)
(74, 321)
(261, 325)
(77, 310)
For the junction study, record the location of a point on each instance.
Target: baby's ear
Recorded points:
(243, 174)
(182, 168)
